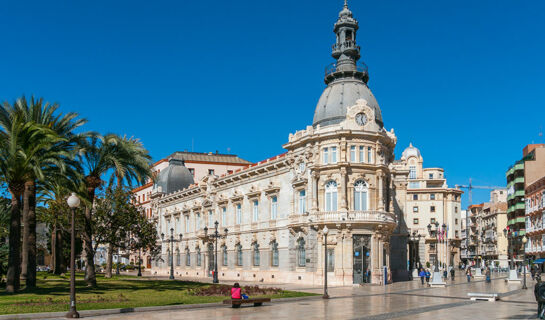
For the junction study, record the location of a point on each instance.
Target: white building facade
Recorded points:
(337, 173)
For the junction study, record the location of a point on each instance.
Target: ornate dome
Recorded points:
(175, 177)
(411, 151)
(338, 96)
(347, 78)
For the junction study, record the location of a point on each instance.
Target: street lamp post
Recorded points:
(216, 235)
(171, 277)
(73, 202)
(325, 231)
(437, 277)
(171, 255)
(524, 240)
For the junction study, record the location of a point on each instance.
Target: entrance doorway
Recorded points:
(362, 254)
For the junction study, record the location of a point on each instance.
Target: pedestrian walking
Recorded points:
(428, 275)
(533, 272)
(468, 274)
(452, 274)
(422, 275)
(487, 274)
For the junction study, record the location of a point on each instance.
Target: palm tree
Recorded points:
(20, 142)
(57, 156)
(129, 161)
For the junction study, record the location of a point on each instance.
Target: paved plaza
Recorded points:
(403, 300)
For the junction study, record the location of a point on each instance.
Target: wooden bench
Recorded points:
(235, 303)
(483, 296)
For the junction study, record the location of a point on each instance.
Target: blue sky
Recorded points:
(462, 80)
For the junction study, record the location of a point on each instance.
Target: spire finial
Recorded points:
(346, 3)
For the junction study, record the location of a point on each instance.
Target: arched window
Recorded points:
(198, 256)
(331, 196)
(274, 254)
(257, 256)
(178, 259)
(225, 256)
(187, 257)
(301, 253)
(360, 195)
(239, 254)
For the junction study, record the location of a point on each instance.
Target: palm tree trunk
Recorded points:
(60, 266)
(53, 249)
(31, 237)
(14, 256)
(109, 261)
(90, 275)
(26, 231)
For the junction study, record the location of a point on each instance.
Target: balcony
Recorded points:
(350, 217)
(519, 180)
(334, 71)
(349, 47)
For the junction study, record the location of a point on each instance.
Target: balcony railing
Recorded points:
(344, 217)
(332, 68)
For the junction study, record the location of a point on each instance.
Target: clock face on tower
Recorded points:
(361, 119)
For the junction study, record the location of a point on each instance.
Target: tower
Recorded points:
(347, 78)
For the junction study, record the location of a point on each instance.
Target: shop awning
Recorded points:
(542, 260)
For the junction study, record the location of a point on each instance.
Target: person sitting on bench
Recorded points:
(236, 291)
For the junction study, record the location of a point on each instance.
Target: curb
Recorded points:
(104, 312)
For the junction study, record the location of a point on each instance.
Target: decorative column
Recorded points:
(380, 178)
(314, 182)
(344, 205)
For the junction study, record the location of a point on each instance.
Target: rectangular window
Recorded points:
(455, 221)
(210, 219)
(415, 197)
(415, 221)
(456, 209)
(229, 171)
(353, 154)
(361, 155)
(330, 260)
(414, 185)
(256, 211)
(192, 171)
(302, 201)
(274, 208)
(432, 220)
(224, 216)
(186, 223)
(432, 196)
(333, 154)
(456, 233)
(325, 156)
(239, 214)
(430, 175)
(197, 221)
(412, 172)
(225, 256)
(432, 209)
(210, 171)
(369, 155)
(415, 209)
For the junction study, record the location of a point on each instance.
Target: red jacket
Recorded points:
(236, 293)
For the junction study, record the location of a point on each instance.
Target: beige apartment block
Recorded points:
(430, 202)
(534, 180)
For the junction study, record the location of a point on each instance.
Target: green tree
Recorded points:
(129, 161)
(56, 157)
(20, 143)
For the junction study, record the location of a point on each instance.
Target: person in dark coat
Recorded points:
(452, 274)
